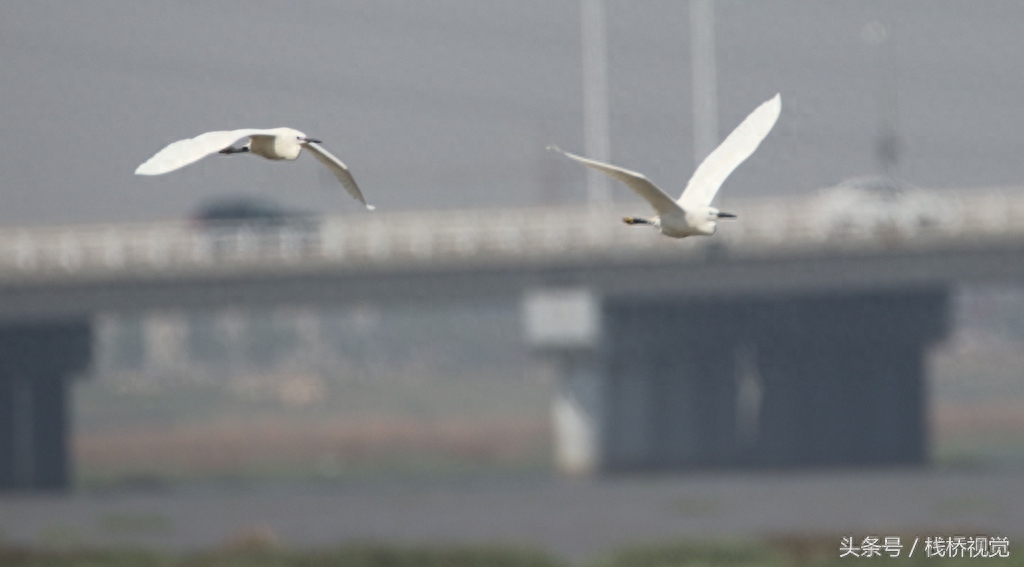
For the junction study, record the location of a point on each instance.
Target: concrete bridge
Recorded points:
(780, 341)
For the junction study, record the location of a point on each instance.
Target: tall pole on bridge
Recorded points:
(705, 90)
(595, 98)
(888, 143)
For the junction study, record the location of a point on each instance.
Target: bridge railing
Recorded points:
(541, 234)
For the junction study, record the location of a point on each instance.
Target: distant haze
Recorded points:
(447, 103)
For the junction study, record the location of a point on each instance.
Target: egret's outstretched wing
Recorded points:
(183, 152)
(736, 148)
(339, 169)
(635, 181)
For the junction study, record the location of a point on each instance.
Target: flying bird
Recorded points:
(270, 143)
(692, 214)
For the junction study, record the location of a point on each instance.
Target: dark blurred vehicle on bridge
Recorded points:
(247, 225)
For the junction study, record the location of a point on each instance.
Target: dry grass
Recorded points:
(235, 446)
(989, 417)
(978, 431)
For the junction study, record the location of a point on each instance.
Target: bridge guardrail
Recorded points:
(765, 225)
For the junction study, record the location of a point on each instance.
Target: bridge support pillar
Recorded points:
(844, 377)
(671, 384)
(564, 327)
(579, 413)
(822, 380)
(36, 362)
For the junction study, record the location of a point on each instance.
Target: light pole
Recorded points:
(705, 95)
(887, 141)
(595, 97)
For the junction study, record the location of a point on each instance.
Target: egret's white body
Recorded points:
(270, 143)
(692, 214)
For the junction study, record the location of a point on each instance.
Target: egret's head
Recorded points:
(292, 134)
(706, 221)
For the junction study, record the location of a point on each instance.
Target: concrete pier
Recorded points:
(831, 379)
(36, 362)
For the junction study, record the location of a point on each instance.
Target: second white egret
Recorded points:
(692, 214)
(270, 143)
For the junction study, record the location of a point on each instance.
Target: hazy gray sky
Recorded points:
(450, 103)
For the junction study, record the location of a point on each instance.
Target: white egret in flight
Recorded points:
(692, 214)
(270, 143)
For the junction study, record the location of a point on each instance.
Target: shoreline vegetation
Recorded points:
(260, 550)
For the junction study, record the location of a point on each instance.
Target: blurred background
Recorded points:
(468, 398)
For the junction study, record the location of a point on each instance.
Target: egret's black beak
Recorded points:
(311, 140)
(722, 215)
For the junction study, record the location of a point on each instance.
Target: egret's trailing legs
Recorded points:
(637, 220)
